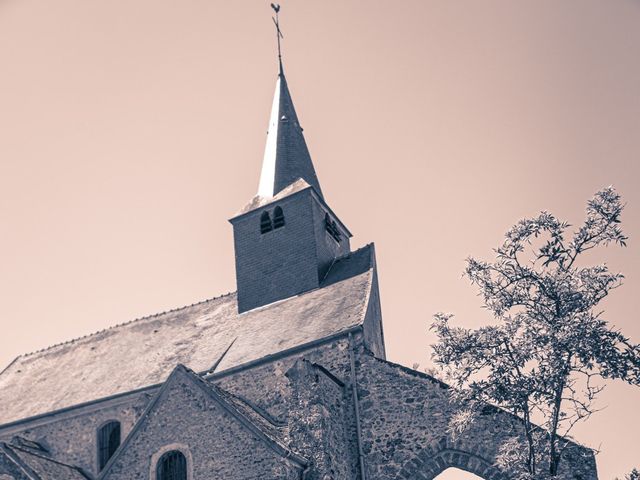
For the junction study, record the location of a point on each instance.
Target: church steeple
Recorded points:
(286, 156)
(287, 238)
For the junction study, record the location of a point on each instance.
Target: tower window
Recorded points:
(332, 228)
(108, 442)
(265, 223)
(172, 466)
(278, 218)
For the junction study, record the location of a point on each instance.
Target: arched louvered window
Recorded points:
(278, 217)
(332, 228)
(108, 442)
(172, 466)
(265, 223)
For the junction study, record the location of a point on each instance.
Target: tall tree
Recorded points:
(549, 348)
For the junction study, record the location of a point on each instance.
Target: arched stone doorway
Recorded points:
(443, 455)
(453, 473)
(461, 460)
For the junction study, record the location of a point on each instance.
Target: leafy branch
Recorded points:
(550, 349)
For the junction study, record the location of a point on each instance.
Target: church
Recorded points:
(284, 379)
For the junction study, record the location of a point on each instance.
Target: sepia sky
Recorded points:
(131, 130)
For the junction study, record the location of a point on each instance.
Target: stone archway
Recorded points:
(468, 462)
(453, 473)
(435, 459)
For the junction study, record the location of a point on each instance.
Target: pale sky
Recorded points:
(131, 130)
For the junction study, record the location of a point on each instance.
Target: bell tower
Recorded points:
(287, 237)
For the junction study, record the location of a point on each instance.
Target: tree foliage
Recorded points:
(548, 350)
(632, 475)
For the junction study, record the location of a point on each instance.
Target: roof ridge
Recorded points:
(446, 386)
(350, 254)
(113, 327)
(411, 371)
(259, 201)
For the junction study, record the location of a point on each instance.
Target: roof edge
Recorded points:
(319, 198)
(446, 386)
(259, 201)
(223, 373)
(112, 327)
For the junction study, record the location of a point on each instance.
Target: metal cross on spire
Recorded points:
(276, 8)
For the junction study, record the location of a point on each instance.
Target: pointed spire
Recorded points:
(286, 156)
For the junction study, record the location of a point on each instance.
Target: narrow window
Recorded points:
(172, 466)
(336, 232)
(332, 228)
(265, 223)
(278, 218)
(108, 442)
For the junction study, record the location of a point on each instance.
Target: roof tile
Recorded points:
(143, 352)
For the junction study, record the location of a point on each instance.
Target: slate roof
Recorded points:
(286, 156)
(143, 352)
(43, 467)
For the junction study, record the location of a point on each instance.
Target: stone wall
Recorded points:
(319, 424)
(186, 418)
(267, 387)
(72, 437)
(405, 418)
